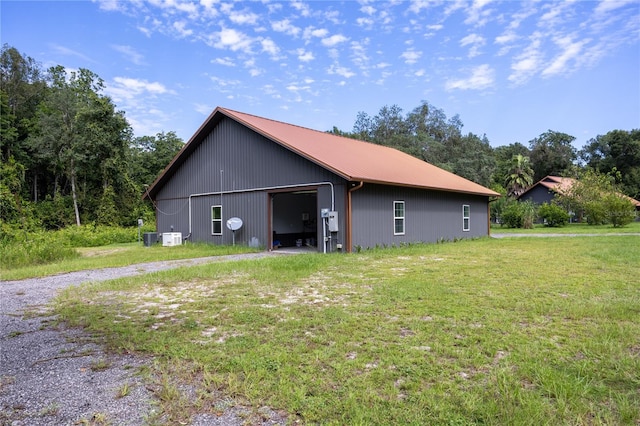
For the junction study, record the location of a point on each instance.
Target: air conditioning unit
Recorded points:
(170, 239)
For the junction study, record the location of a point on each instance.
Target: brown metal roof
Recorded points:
(352, 159)
(560, 184)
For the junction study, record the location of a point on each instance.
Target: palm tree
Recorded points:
(520, 176)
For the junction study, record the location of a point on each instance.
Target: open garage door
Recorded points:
(294, 219)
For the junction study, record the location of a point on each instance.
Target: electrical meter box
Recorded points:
(333, 222)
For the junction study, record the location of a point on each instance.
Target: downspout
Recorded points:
(349, 238)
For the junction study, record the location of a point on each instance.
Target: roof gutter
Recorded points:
(348, 237)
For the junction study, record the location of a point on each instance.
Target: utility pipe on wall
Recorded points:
(266, 188)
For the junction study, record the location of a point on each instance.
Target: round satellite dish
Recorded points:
(234, 223)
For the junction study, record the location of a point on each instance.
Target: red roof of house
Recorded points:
(349, 158)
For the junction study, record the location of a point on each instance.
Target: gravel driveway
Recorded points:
(54, 375)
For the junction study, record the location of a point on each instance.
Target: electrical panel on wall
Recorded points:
(333, 222)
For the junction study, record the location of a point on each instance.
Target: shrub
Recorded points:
(33, 249)
(620, 211)
(19, 248)
(519, 215)
(553, 215)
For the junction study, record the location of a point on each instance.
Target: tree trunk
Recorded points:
(35, 186)
(75, 198)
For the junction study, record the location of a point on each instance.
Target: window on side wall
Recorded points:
(466, 218)
(216, 220)
(398, 218)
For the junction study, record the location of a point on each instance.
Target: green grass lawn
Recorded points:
(572, 228)
(120, 255)
(509, 331)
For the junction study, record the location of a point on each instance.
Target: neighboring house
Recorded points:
(545, 190)
(296, 186)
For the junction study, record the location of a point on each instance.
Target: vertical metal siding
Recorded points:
(233, 157)
(429, 215)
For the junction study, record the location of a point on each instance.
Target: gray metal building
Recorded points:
(293, 186)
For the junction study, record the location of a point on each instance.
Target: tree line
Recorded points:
(427, 133)
(69, 155)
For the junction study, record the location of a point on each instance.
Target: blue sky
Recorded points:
(511, 70)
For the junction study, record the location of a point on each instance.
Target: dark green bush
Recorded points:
(620, 211)
(518, 215)
(19, 248)
(553, 215)
(33, 249)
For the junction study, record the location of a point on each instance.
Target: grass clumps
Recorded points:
(485, 331)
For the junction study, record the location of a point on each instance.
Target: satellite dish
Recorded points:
(234, 223)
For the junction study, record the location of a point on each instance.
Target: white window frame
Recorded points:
(399, 218)
(214, 220)
(466, 217)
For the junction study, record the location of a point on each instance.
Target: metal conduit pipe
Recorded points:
(265, 188)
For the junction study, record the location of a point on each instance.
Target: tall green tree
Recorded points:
(552, 153)
(504, 160)
(151, 154)
(519, 177)
(619, 149)
(79, 133)
(428, 134)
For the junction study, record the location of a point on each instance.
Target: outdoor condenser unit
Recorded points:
(170, 239)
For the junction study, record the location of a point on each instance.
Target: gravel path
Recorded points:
(54, 375)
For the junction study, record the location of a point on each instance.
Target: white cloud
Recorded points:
(314, 32)
(180, 27)
(506, 37)
(203, 109)
(528, 62)
(476, 41)
(342, 71)
(411, 56)
(296, 88)
(130, 53)
(209, 9)
(606, 6)
(226, 61)
(110, 5)
(305, 56)
(476, 14)
(301, 7)
(240, 18)
(570, 50)
(231, 39)
(482, 77)
(333, 40)
(365, 22)
(285, 26)
(417, 5)
(419, 73)
(367, 9)
(63, 50)
(131, 87)
(270, 47)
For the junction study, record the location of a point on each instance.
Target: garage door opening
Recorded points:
(294, 219)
